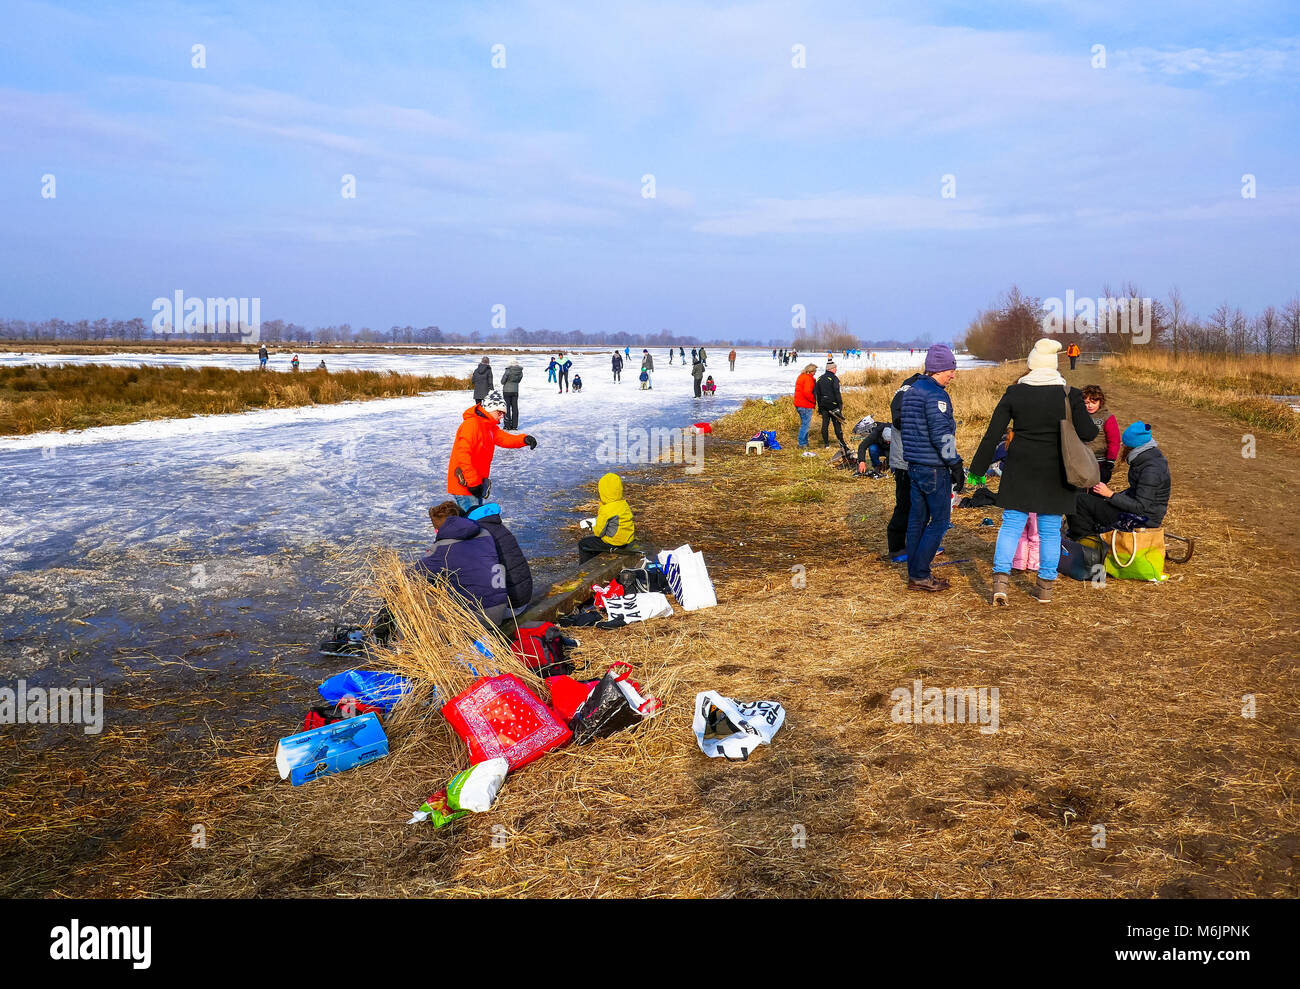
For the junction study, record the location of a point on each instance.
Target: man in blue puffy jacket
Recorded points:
(929, 434)
(465, 556)
(518, 575)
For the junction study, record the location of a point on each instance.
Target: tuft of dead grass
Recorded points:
(39, 397)
(1237, 387)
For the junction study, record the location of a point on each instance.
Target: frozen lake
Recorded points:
(130, 543)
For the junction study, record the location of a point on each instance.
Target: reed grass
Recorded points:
(39, 397)
(1237, 387)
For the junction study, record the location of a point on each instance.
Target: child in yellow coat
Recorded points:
(612, 527)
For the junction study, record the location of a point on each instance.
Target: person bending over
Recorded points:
(465, 558)
(873, 451)
(477, 438)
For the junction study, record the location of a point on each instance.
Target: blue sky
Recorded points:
(522, 185)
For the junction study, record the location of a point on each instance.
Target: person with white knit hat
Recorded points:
(1033, 473)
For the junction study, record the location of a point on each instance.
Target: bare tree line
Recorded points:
(275, 331)
(1009, 327)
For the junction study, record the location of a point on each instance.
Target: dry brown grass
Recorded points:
(1120, 708)
(1235, 386)
(38, 397)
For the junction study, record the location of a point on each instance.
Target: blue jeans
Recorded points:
(1049, 542)
(877, 459)
(467, 503)
(928, 519)
(805, 422)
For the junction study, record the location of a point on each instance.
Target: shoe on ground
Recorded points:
(930, 584)
(1001, 584)
(1042, 592)
(899, 557)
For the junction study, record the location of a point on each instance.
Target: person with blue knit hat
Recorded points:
(1147, 494)
(1136, 435)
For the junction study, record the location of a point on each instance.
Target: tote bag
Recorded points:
(1136, 555)
(1081, 467)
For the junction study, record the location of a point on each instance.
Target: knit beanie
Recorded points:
(939, 358)
(1138, 434)
(1044, 354)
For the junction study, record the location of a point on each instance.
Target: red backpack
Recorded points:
(540, 645)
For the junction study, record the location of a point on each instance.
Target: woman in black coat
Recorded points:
(1033, 474)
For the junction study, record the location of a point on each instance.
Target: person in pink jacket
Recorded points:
(1106, 445)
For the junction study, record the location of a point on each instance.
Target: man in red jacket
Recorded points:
(805, 401)
(476, 441)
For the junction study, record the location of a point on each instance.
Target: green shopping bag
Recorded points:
(1136, 555)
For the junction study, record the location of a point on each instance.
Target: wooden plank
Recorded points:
(575, 587)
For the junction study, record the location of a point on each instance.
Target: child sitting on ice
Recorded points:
(577, 383)
(612, 527)
(709, 386)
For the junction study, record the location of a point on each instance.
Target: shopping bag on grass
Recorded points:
(733, 729)
(688, 577)
(1136, 555)
(613, 705)
(499, 717)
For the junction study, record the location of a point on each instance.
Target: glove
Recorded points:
(978, 481)
(477, 489)
(958, 474)
(531, 441)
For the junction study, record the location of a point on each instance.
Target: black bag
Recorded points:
(607, 708)
(1077, 559)
(644, 580)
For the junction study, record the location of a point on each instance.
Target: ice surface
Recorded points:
(160, 529)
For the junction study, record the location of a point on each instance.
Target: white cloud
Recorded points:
(1220, 66)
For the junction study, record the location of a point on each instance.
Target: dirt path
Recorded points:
(1257, 494)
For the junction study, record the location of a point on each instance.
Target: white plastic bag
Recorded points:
(638, 607)
(755, 723)
(688, 577)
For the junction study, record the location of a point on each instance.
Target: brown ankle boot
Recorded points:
(1042, 592)
(1001, 583)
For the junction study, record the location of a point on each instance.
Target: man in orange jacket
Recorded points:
(1072, 352)
(805, 401)
(476, 441)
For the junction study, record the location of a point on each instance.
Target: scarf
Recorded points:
(1042, 376)
(1141, 449)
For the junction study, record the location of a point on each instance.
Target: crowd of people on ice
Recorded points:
(561, 373)
(1022, 445)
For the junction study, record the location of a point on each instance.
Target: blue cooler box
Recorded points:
(331, 749)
